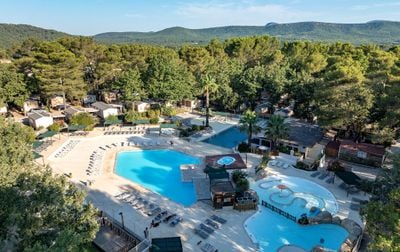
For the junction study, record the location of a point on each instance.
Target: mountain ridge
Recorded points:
(374, 31)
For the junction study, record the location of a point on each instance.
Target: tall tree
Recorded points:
(12, 87)
(248, 123)
(209, 86)
(167, 78)
(38, 211)
(277, 129)
(58, 71)
(130, 85)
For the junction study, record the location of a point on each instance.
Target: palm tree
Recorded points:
(277, 129)
(248, 124)
(208, 86)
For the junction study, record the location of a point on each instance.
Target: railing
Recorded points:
(279, 211)
(127, 234)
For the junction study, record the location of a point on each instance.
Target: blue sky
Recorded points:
(89, 17)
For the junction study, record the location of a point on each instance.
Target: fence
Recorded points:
(279, 211)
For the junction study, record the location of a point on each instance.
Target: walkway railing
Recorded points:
(279, 211)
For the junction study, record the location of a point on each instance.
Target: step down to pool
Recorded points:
(191, 171)
(202, 188)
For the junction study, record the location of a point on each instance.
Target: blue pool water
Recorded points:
(229, 138)
(272, 230)
(158, 171)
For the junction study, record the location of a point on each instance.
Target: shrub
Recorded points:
(238, 175)
(264, 161)
(168, 111)
(242, 185)
(154, 120)
(184, 133)
(85, 119)
(112, 118)
(152, 113)
(243, 147)
(302, 166)
(195, 127)
(132, 115)
(284, 149)
(54, 127)
(335, 166)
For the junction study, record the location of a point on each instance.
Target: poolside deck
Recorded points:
(202, 188)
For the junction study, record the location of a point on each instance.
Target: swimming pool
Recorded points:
(295, 196)
(228, 138)
(158, 171)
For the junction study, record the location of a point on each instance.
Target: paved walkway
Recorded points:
(231, 237)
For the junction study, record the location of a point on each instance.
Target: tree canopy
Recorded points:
(39, 211)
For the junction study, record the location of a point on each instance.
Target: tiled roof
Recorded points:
(368, 148)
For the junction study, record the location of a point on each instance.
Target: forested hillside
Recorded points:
(341, 84)
(11, 34)
(380, 32)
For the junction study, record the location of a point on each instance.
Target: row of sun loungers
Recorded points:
(279, 164)
(204, 230)
(323, 175)
(133, 132)
(149, 209)
(66, 148)
(94, 167)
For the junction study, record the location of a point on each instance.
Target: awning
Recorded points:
(76, 127)
(46, 134)
(36, 144)
(168, 126)
(36, 155)
(169, 244)
(113, 122)
(141, 121)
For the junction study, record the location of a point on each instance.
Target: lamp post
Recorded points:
(122, 219)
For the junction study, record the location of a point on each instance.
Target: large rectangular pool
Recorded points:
(228, 138)
(158, 171)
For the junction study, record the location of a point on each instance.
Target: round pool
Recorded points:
(295, 196)
(227, 160)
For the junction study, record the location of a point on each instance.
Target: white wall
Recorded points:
(41, 122)
(106, 113)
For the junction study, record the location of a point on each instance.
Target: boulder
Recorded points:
(352, 227)
(323, 217)
(336, 220)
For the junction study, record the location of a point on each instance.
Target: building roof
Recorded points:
(237, 164)
(101, 105)
(222, 186)
(304, 134)
(36, 114)
(73, 110)
(168, 244)
(368, 148)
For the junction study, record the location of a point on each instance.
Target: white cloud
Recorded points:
(243, 13)
(363, 7)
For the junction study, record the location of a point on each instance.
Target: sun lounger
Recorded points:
(160, 215)
(169, 217)
(154, 212)
(314, 174)
(201, 233)
(323, 176)
(212, 223)
(355, 207)
(175, 221)
(218, 219)
(330, 180)
(206, 228)
(207, 247)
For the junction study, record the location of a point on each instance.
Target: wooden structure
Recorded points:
(362, 153)
(223, 193)
(332, 149)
